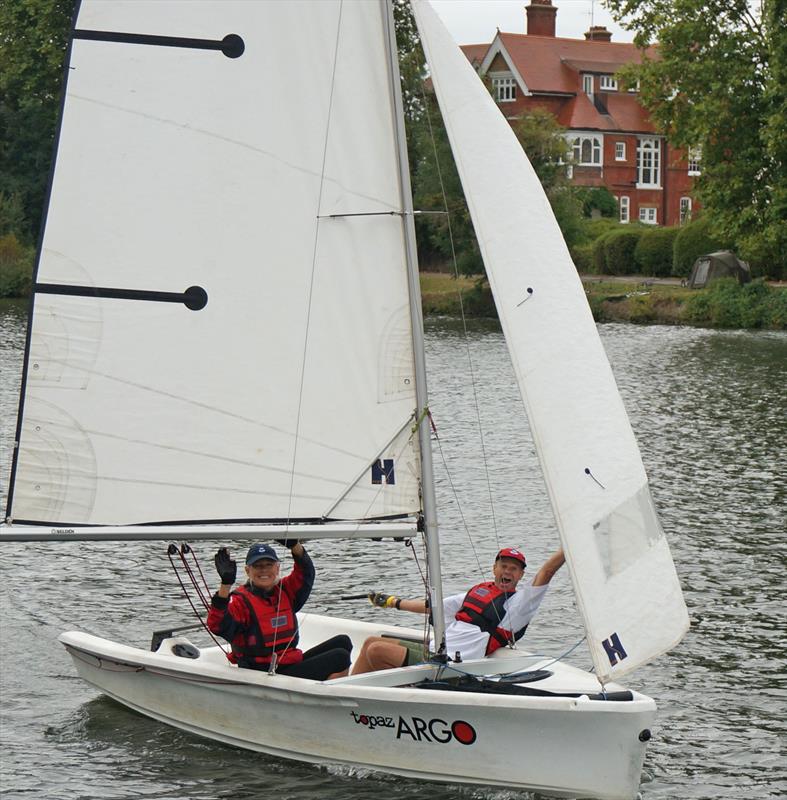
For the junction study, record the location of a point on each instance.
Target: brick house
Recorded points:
(612, 140)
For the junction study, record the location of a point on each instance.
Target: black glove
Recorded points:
(382, 600)
(225, 566)
(288, 543)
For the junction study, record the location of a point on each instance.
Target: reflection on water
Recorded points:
(710, 413)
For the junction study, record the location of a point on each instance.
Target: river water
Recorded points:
(710, 412)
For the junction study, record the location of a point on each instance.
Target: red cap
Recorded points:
(512, 552)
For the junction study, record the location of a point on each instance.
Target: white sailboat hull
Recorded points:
(564, 746)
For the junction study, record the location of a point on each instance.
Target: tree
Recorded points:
(33, 41)
(717, 83)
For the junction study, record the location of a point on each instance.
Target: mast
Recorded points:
(434, 576)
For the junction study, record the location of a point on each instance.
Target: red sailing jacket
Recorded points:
(257, 623)
(484, 606)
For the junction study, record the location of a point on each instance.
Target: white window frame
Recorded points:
(625, 209)
(587, 84)
(648, 215)
(608, 83)
(693, 157)
(504, 87)
(634, 88)
(620, 151)
(648, 163)
(685, 210)
(587, 144)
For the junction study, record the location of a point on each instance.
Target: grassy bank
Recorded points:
(724, 304)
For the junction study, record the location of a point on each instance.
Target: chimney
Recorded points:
(598, 33)
(541, 18)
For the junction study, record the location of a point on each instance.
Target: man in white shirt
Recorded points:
(492, 614)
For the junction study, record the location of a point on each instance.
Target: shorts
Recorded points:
(416, 652)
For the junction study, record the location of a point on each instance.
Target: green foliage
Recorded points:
(32, 51)
(727, 304)
(582, 255)
(12, 214)
(718, 84)
(619, 247)
(653, 253)
(542, 139)
(568, 213)
(598, 198)
(764, 251)
(16, 267)
(693, 240)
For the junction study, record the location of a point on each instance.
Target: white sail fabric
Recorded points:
(290, 395)
(625, 582)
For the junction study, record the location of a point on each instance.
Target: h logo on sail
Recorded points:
(383, 471)
(614, 649)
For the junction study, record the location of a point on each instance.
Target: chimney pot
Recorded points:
(598, 33)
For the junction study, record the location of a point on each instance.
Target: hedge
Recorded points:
(694, 240)
(653, 253)
(619, 247)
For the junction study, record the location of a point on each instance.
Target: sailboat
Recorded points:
(226, 343)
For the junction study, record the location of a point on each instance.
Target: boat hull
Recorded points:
(563, 746)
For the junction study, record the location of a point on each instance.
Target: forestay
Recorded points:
(625, 582)
(243, 152)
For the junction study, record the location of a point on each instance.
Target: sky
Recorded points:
(476, 21)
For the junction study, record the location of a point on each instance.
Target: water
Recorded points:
(710, 413)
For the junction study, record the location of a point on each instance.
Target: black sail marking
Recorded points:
(231, 45)
(194, 298)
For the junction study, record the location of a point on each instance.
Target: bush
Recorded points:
(598, 198)
(619, 247)
(16, 267)
(694, 240)
(727, 304)
(653, 252)
(599, 254)
(766, 252)
(582, 255)
(593, 228)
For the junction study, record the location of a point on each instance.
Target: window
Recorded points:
(695, 154)
(587, 150)
(685, 209)
(505, 89)
(620, 151)
(648, 216)
(634, 88)
(623, 204)
(608, 84)
(587, 85)
(648, 162)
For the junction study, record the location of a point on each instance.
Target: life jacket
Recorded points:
(484, 606)
(272, 628)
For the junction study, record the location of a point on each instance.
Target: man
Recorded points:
(491, 615)
(258, 619)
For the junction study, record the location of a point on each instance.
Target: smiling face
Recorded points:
(507, 573)
(263, 574)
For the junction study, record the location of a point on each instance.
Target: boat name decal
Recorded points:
(614, 649)
(421, 730)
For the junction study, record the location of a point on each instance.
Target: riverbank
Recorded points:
(632, 299)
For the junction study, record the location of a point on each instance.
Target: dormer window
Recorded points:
(608, 84)
(587, 85)
(504, 87)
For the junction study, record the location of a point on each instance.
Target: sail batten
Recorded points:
(625, 582)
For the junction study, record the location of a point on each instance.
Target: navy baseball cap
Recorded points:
(259, 551)
(512, 552)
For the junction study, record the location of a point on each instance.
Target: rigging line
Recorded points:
(311, 295)
(425, 633)
(464, 320)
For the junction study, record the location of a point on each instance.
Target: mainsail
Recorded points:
(221, 328)
(625, 582)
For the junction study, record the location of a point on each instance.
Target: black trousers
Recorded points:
(322, 660)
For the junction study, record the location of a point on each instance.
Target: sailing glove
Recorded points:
(289, 543)
(382, 600)
(225, 566)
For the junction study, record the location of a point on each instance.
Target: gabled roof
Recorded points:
(549, 65)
